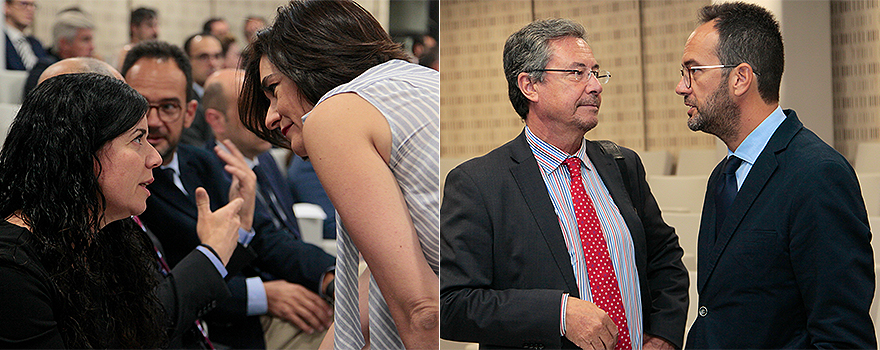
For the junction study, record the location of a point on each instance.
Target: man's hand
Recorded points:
(298, 305)
(652, 343)
(219, 229)
(244, 181)
(588, 327)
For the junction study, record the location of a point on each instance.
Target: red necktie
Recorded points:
(603, 281)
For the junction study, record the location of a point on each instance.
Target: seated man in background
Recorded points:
(72, 35)
(161, 72)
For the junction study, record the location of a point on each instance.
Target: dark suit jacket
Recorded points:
(13, 60)
(172, 216)
(792, 265)
(505, 264)
(307, 188)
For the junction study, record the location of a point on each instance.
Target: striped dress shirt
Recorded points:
(617, 235)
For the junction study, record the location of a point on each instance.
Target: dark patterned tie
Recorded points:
(600, 270)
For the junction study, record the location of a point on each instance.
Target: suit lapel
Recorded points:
(755, 182)
(610, 174)
(524, 169)
(163, 188)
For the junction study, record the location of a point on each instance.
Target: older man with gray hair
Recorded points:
(72, 36)
(552, 240)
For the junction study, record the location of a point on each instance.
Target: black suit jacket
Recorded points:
(505, 264)
(792, 265)
(172, 216)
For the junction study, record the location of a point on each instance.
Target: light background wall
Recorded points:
(832, 75)
(177, 19)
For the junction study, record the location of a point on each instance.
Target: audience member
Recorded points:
(142, 25)
(77, 271)
(216, 26)
(221, 112)
(162, 73)
(205, 55)
(231, 52)
(784, 256)
(252, 25)
(551, 240)
(431, 58)
(307, 188)
(373, 138)
(22, 52)
(72, 35)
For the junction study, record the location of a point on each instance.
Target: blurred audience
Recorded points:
(72, 36)
(205, 55)
(216, 26)
(143, 25)
(252, 24)
(22, 51)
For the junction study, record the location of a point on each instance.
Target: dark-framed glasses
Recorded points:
(690, 71)
(578, 75)
(169, 111)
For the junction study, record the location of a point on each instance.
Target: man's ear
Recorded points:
(190, 113)
(216, 120)
(527, 86)
(742, 78)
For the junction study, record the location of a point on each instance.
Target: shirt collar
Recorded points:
(550, 157)
(198, 89)
(13, 33)
(173, 165)
(751, 147)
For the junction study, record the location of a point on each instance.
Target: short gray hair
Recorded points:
(67, 24)
(529, 49)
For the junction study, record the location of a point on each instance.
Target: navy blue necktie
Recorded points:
(726, 190)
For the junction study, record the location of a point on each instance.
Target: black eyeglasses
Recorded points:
(168, 112)
(690, 70)
(577, 75)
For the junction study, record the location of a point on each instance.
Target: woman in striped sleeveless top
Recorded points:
(327, 81)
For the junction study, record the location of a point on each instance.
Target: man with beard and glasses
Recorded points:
(784, 252)
(551, 240)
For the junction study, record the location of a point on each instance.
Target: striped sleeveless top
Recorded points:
(408, 95)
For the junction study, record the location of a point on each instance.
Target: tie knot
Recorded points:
(733, 163)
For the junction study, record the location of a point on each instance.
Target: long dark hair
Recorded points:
(49, 168)
(319, 45)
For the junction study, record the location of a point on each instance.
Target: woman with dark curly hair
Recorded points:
(327, 81)
(75, 271)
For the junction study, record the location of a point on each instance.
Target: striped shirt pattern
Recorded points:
(617, 235)
(408, 95)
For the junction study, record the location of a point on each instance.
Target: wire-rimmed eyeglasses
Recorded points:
(690, 71)
(577, 75)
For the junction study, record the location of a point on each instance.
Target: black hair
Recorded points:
(748, 33)
(161, 49)
(49, 169)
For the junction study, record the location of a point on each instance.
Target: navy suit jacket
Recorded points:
(504, 260)
(172, 216)
(13, 60)
(307, 188)
(277, 184)
(792, 264)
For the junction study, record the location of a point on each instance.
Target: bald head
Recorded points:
(221, 112)
(79, 65)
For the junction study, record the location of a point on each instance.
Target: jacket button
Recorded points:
(703, 311)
